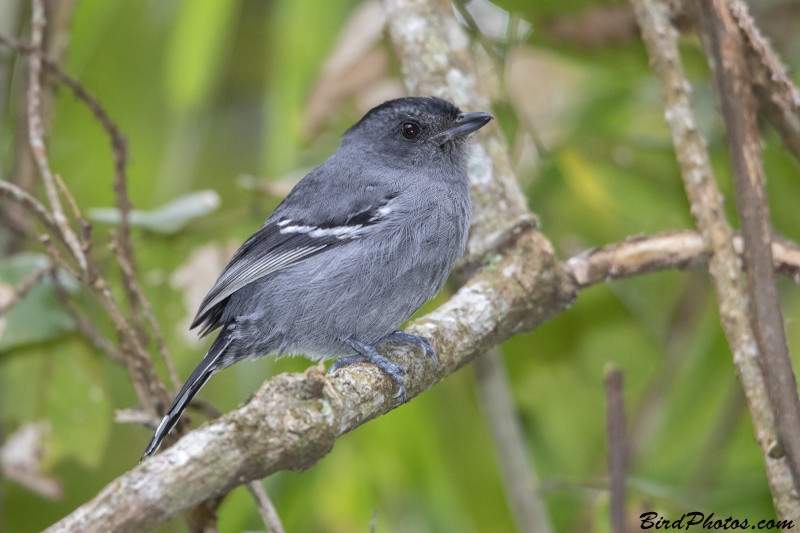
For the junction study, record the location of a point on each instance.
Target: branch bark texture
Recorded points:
(726, 53)
(778, 98)
(660, 38)
(617, 446)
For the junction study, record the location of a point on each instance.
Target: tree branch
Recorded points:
(778, 98)
(660, 38)
(149, 388)
(683, 249)
(518, 473)
(265, 508)
(726, 53)
(36, 133)
(23, 288)
(617, 446)
(294, 419)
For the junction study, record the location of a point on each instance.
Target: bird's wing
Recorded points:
(279, 243)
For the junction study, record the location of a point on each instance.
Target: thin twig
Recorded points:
(726, 53)
(683, 249)
(86, 231)
(148, 386)
(119, 149)
(777, 95)
(36, 132)
(30, 203)
(137, 417)
(23, 289)
(518, 471)
(617, 447)
(147, 310)
(87, 329)
(265, 507)
(23, 170)
(661, 40)
(46, 240)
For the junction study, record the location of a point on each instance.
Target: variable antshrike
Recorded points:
(355, 249)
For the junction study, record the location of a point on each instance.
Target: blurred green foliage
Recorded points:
(208, 90)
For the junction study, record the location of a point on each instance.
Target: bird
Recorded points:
(358, 245)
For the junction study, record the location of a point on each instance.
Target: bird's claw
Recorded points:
(416, 340)
(369, 353)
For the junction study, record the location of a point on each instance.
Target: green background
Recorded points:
(209, 90)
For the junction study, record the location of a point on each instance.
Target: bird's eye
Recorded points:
(410, 130)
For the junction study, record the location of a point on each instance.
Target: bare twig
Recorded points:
(23, 288)
(119, 149)
(660, 37)
(148, 386)
(36, 132)
(518, 472)
(683, 249)
(265, 507)
(137, 417)
(56, 255)
(617, 447)
(147, 310)
(23, 171)
(726, 53)
(97, 339)
(30, 203)
(778, 97)
(86, 230)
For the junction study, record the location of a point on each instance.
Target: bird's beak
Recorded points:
(465, 123)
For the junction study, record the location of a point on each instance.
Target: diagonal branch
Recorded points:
(516, 468)
(726, 53)
(778, 97)
(36, 133)
(660, 38)
(294, 419)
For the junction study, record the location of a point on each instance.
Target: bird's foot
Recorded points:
(422, 342)
(369, 353)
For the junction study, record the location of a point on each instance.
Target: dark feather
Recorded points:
(269, 250)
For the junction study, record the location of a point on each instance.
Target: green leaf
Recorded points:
(66, 384)
(36, 317)
(169, 218)
(79, 406)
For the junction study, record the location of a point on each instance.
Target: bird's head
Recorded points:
(414, 130)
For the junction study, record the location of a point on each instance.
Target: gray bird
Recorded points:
(354, 250)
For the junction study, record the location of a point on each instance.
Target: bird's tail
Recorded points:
(192, 386)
